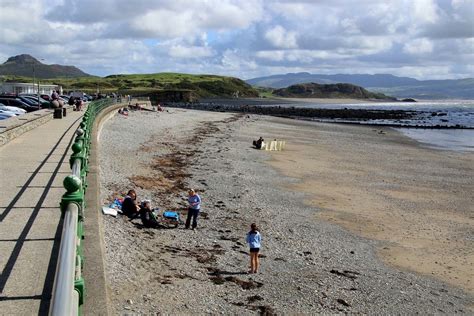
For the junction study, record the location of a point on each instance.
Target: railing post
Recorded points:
(73, 186)
(78, 153)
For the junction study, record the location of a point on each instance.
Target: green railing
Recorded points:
(69, 285)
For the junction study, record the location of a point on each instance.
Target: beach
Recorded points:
(354, 219)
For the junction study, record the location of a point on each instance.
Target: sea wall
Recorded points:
(291, 111)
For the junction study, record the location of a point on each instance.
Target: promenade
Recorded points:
(32, 169)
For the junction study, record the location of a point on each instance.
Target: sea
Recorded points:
(449, 123)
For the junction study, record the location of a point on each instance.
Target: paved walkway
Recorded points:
(32, 168)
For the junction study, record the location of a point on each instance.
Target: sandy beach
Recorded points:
(354, 219)
(417, 202)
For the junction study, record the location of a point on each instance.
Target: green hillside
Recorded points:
(204, 86)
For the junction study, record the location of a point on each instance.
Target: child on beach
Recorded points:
(253, 239)
(194, 201)
(147, 215)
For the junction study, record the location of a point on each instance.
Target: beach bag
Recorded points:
(171, 215)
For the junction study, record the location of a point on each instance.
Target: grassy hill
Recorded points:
(339, 90)
(204, 86)
(25, 65)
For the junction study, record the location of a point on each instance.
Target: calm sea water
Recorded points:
(448, 113)
(446, 139)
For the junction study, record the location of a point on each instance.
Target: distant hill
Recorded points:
(401, 87)
(22, 65)
(204, 86)
(338, 90)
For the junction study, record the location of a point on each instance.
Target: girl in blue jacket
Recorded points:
(253, 239)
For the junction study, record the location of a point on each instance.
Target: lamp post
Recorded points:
(39, 104)
(34, 83)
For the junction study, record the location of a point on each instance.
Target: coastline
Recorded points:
(308, 265)
(331, 100)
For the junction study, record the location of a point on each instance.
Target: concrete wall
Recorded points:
(96, 298)
(15, 126)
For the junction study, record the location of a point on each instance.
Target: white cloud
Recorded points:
(425, 11)
(273, 55)
(418, 46)
(281, 38)
(181, 51)
(233, 60)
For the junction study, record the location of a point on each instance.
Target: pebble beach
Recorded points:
(343, 230)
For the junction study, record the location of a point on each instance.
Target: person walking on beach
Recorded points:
(253, 239)
(194, 201)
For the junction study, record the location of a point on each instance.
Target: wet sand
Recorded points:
(417, 202)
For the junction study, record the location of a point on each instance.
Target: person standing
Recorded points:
(54, 95)
(194, 201)
(253, 239)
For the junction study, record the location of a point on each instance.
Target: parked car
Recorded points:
(65, 97)
(4, 116)
(44, 104)
(18, 103)
(7, 113)
(12, 109)
(27, 100)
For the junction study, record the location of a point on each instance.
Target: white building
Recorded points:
(17, 88)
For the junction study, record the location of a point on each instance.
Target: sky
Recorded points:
(423, 39)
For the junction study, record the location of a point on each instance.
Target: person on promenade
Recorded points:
(54, 95)
(71, 101)
(129, 205)
(194, 201)
(147, 215)
(253, 239)
(78, 104)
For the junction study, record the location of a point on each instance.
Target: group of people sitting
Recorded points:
(131, 209)
(258, 143)
(149, 219)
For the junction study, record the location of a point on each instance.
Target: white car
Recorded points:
(12, 109)
(6, 114)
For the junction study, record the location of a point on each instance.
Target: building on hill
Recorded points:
(21, 87)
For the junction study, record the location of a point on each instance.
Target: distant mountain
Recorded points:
(401, 87)
(22, 65)
(338, 90)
